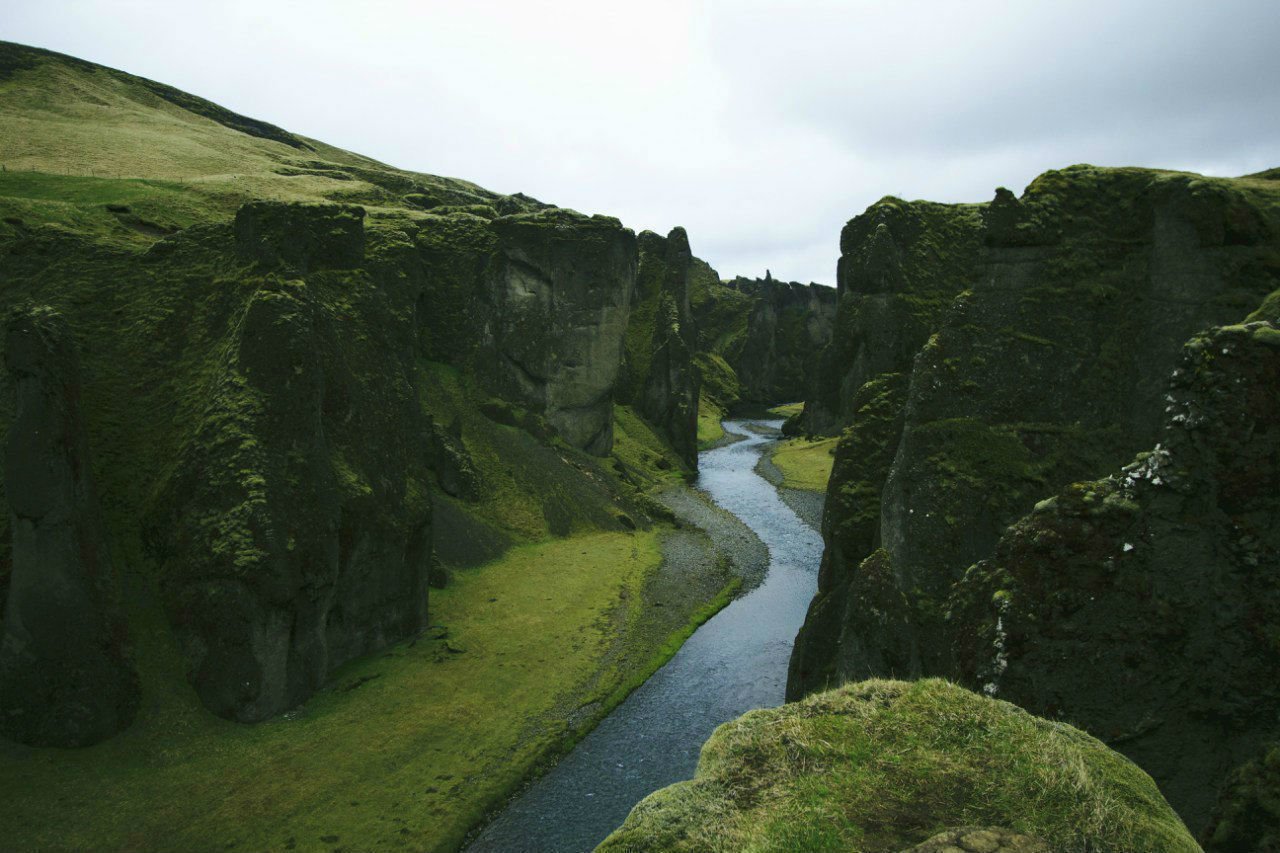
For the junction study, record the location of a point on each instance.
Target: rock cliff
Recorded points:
(661, 378)
(986, 357)
(66, 678)
(1144, 607)
(788, 326)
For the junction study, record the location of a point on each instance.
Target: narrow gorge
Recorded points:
(353, 508)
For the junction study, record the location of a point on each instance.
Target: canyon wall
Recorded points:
(987, 356)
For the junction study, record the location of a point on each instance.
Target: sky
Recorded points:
(761, 127)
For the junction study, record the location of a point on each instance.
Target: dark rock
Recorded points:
(559, 286)
(788, 327)
(661, 377)
(1030, 340)
(65, 674)
(295, 531)
(1139, 606)
(304, 237)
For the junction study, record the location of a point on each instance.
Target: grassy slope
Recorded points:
(408, 749)
(882, 765)
(805, 463)
(416, 755)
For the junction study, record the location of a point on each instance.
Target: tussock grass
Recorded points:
(883, 765)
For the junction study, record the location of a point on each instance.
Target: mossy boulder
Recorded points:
(66, 678)
(1145, 607)
(889, 766)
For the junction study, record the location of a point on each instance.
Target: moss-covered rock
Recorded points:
(660, 376)
(886, 766)
(66, 678)
(1247, 819)
(788, 326)
(1145, 607)
(1043, 329)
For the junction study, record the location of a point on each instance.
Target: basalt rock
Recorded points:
(659, 374)
(1145, 607)
(536, 303)
(302, 237)
(788, 327)
(295, 532)
(1043, 329)
(66, 678)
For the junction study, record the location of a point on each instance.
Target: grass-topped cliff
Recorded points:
(987, 357)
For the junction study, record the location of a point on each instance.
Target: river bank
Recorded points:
(735, 662)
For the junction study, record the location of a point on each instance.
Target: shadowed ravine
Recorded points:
(737, 661)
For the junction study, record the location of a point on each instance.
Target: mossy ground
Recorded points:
(710, 432)
(805, 463)
(882, 765)
(406, 750)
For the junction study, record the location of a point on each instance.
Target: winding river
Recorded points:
(735, 662)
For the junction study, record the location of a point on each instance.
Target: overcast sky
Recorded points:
(759, 126)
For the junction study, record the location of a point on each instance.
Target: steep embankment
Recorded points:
(985, 358)
(885, 765)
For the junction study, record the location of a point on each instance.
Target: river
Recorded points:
(735, 662)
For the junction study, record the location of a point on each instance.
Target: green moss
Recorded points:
(883, 765)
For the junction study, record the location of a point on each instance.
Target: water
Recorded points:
(737, 661)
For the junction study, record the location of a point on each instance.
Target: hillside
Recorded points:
(285, 422)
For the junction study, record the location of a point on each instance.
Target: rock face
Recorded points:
(661, 378)
(65, 675)
(1145, 607)
(788, 326)
(295, 530)
(984, 358)
(881, 765)
(537, 303)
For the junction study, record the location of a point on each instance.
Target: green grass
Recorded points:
(709, 417)
(805, 463)
(408, 749)
(107, 130)
(883, 765)
(786, 410)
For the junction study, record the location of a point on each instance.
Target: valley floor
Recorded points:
(408, 748)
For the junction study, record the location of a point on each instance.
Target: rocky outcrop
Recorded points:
(901, 265)
(537, 303)
(788, 326)
(65, 674)
(302, 237)
(295, 530)
(1247, 819)
(1144, 607)
(659, 374)
(1044, 328)
(880, 765)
